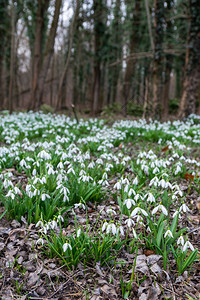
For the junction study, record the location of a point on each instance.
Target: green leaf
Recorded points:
(160, 233)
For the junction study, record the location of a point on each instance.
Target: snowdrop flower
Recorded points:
(150, 198)
(126, 188)
(188, 245)
(129, 222)
(120, 229)
(168, 233)
(111, 228)
(137, 210)
(135, 181)
(60, 165)
(91, 165)
(44, 196)
(162, 208)
(40, 242)
(17, 190)
(129, 203)
(180, 240)
(117, 186)
(162, 183)
(66, 246)
(59, 217)
(78, 232)
(184, 208)
(23, 163)
(76, 205)
(105, 175)
(34, 172)
(50, 171)
(53, 224)
(156, 170)
(104, 226)
(39, 223)
(70, 170)
(176, 213)
(44, 154)
(178, 169)
(10, 194)
(110, 211)
(131, 192)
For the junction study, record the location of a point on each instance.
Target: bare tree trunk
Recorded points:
(192, 64)
(59, 94)
(157, 69)
(37, 51)
(12, 59)
(149, 24)
(134, 40)
(48, 53)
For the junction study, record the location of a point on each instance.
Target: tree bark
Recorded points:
(71, 36)
(49, 50)
(134, 41)
(157, 68)
(3, 18)
(192, 64)
(37, 50)
(12, 59)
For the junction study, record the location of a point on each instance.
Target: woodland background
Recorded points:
(136, 57)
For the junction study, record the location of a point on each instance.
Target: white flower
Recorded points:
(44, 154)
(135, 181)
(104, 226)
(156, 170)
(121, 230)
(60, 165)
(117, 186)
(71, 170)
(188, 245)
(150, 198)
(39, 223)
(129, 222)
(23, 163)
(10, 194)
(129, 203)
(168, 233)
(162, 183)
(161, 207)
(131, 192)
(53, 224)
(138, 209)
(76, 205)
(66, 246)
(110, 211)
(50, 171)
(44, 196)
(60, 218)
(180, 240)
(78, 232)
(40, 242)
(34, 172)
(111, 228)
(184, 208)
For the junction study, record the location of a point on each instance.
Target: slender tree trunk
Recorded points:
(37, 50)
(48, 53)
(134, 41)
(192, 64)
(157, 69)
(3, 33)
(12, 59)
(63, 76)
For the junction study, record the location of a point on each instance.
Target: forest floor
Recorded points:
(122, 219)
